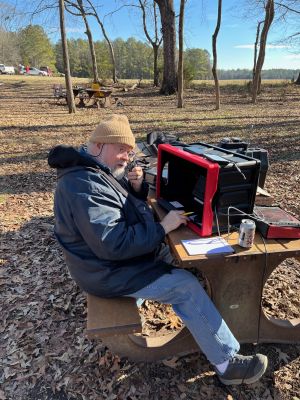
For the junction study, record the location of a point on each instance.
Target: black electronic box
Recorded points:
(237, 181)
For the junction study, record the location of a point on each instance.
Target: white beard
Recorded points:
(119, 173)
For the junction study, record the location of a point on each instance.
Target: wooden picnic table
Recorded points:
(101, 96)
(235, 284)
(237, 280)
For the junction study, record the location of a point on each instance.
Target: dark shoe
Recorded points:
(244, 369)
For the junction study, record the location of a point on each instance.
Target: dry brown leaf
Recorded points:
(172, 362)
(175, 322)
(282, 356)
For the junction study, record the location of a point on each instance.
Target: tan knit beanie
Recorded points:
(114, 128)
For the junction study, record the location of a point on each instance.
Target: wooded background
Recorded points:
(22, 41)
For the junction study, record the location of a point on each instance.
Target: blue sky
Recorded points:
(235, 41)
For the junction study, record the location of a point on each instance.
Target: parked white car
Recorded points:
(35, 71)
(4, 69)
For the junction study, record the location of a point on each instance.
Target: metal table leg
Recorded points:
(275, 330)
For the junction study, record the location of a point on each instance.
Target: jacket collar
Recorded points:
(66, 157)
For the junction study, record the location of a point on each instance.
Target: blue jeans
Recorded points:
(191, 303)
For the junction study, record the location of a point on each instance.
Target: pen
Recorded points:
(188, 213)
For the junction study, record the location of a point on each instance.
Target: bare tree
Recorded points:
(70, 97)
(214, 49)
(255, 58)
(255, 47)
(269, 16)
(180, 60)
(91, 11)
(10, 22)
(9, 47)
(156, 42)
(167, 14)
(289, 11)
(110, 46)
(81, 12)
(288, 6)
(91, 42)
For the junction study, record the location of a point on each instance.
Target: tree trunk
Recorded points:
(167, 14)
(154, 43)
(70, 97)
(269, 10)
(297, 82)
(180, 60)
(91, 43)
(111, 49)
(155, 66)
(255, 48)
(155, 49)
(215, 59)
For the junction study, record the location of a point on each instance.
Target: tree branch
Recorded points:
(287, 7)
(142, 4)
(70, 3)
(118, 9)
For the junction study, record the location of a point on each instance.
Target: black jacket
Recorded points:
(109, 239)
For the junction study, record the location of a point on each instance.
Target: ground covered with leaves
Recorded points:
(44, 352)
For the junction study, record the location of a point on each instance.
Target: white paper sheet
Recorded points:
(213, 245)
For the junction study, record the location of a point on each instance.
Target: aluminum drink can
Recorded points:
(247, 233)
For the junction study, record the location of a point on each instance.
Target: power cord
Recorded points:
(262, 281)
(240, 212)
(239, 170)
(264, 268)
(217, 221)
(254, 216)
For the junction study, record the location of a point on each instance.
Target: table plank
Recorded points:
(260, 246)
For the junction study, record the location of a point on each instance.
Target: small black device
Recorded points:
(168, 206)
(233, 144)
(238, 145)
(156, 138)
(216, 158)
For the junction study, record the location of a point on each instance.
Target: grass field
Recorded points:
(45, 354)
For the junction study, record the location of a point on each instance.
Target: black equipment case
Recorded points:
(236, 183)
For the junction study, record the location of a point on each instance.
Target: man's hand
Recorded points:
(136, 177)
(173, 220)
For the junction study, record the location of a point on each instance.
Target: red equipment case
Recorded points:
(206, 181)
(208, 170)
(277, 223)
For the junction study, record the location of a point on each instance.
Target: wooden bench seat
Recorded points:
(59, 92)
(110, 317)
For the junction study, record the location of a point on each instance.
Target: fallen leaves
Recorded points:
(44, 351)
(282, 356)
(172, 362)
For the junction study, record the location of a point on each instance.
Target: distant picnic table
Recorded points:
(100, 96)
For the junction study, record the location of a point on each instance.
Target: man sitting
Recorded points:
(113, 247)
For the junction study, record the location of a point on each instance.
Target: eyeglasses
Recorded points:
(130, 153)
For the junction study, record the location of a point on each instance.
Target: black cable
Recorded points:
(261, 291)
(266, 256)
(98, 155)
(262, 282)
(261, 295)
